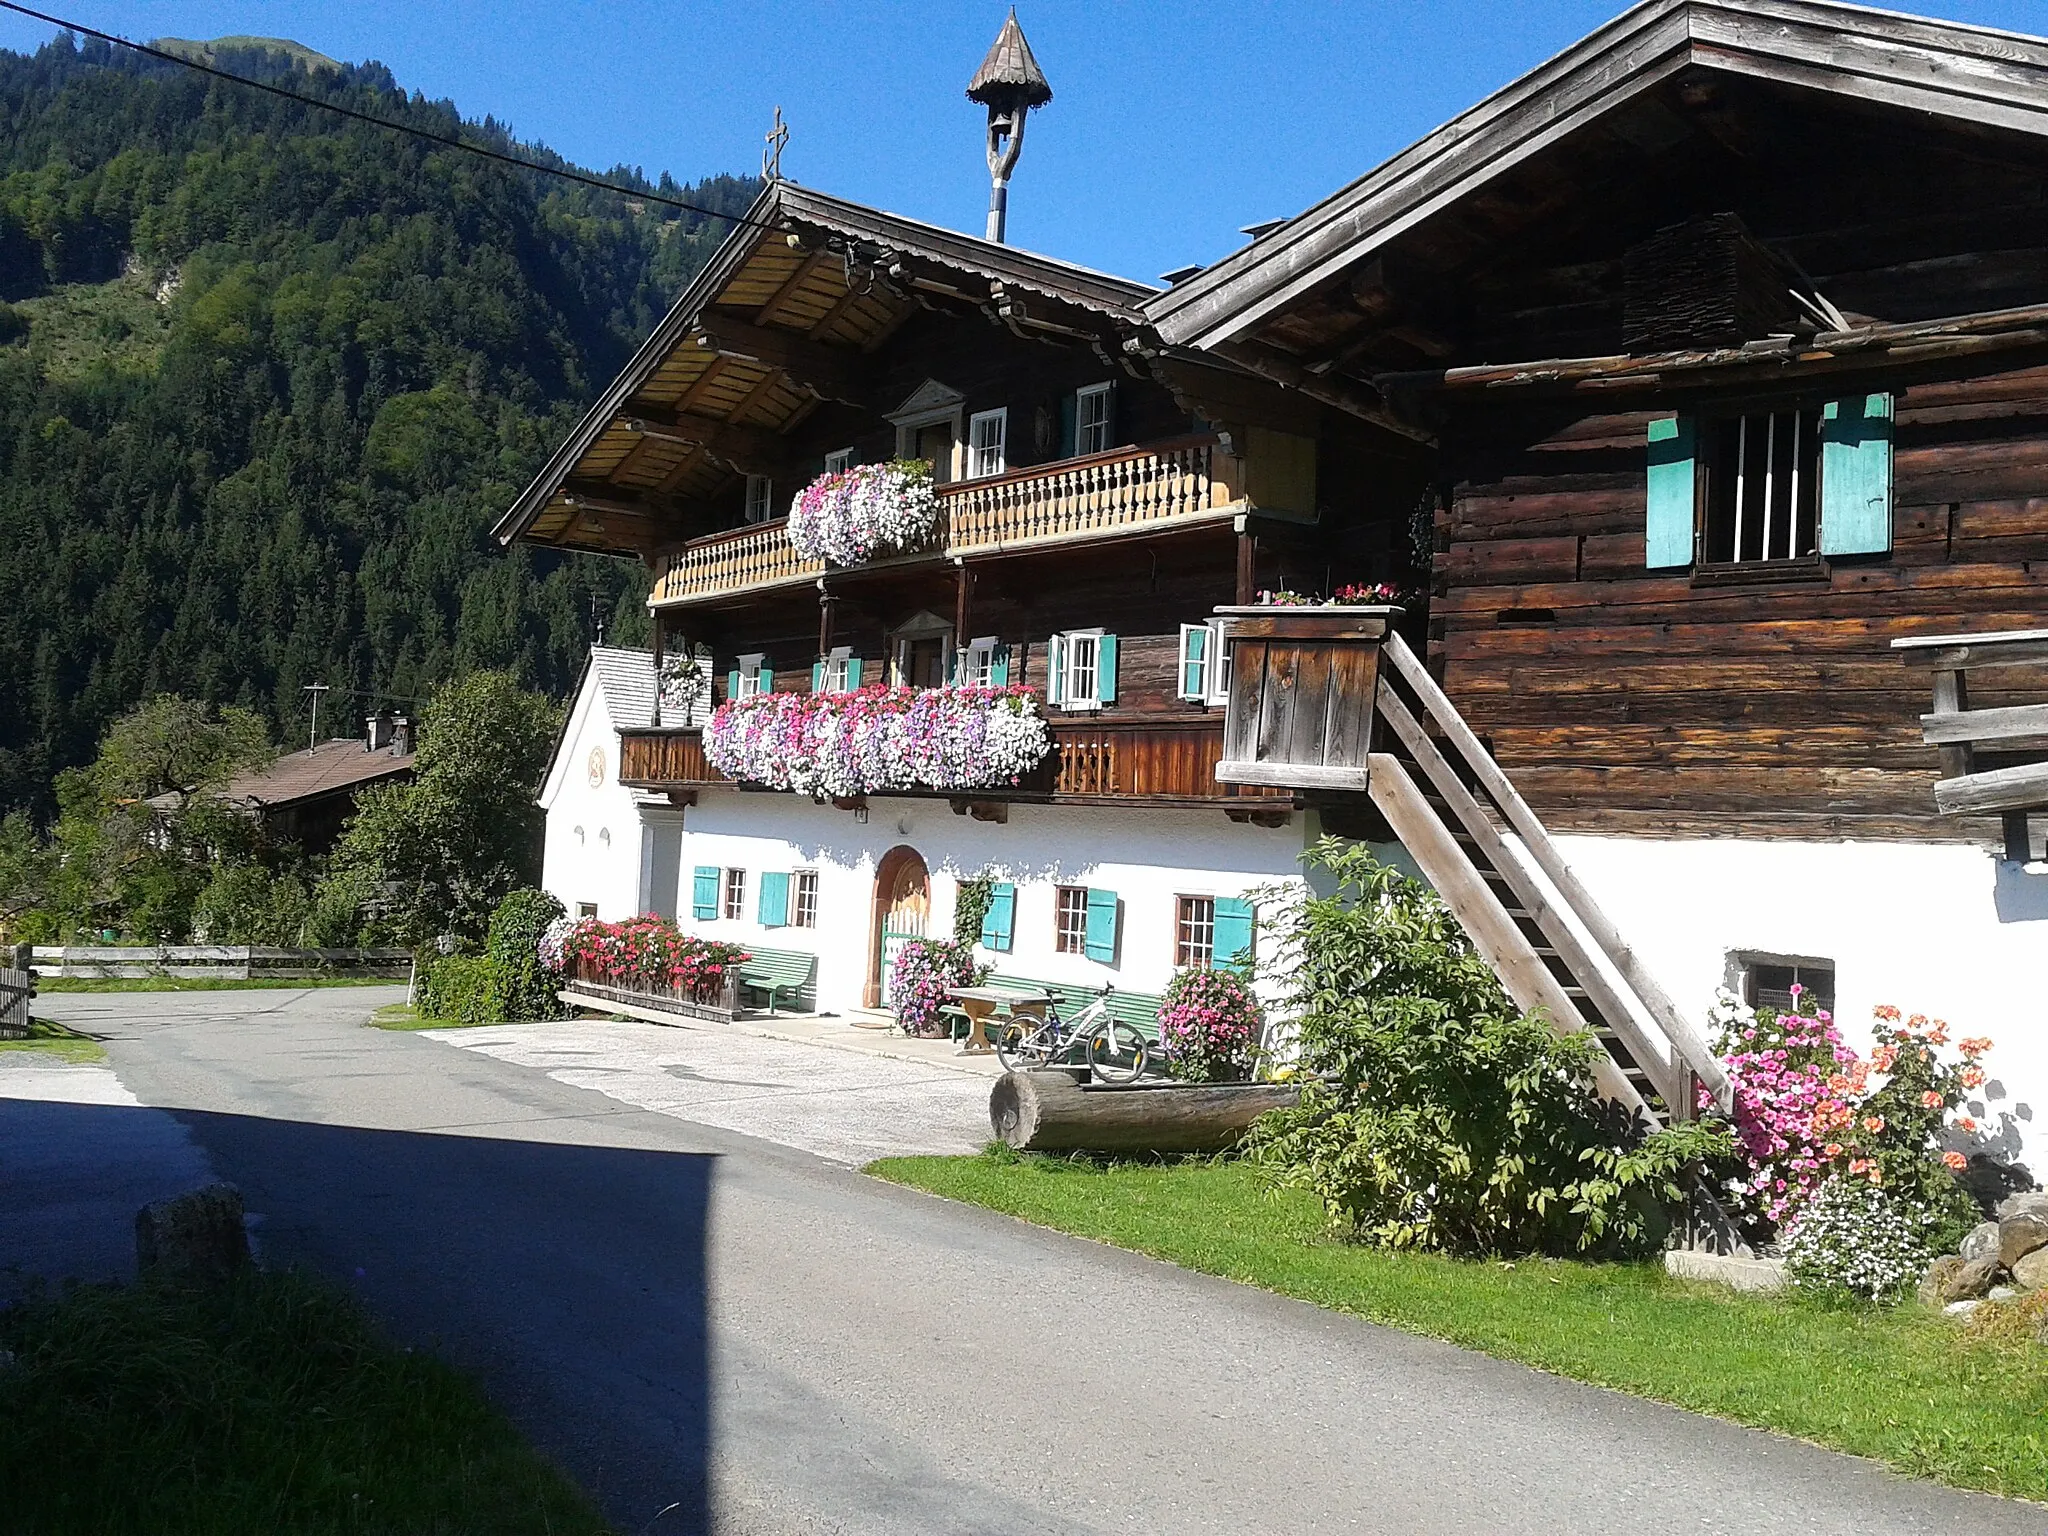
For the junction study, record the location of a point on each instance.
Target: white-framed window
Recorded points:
(752, 676)
(987, 435)
(803, 906)
(1194, 930)
(735, 894)
(760, 498)
(1093, 409)
(1203, 673)
(978, 666)
(586, 909)
(1081, 669)
(838, 460)
(838, 664)
(1070, 919)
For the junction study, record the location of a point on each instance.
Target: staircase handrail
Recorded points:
(1686, 1040)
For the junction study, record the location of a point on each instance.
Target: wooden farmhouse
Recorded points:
(1693, 392)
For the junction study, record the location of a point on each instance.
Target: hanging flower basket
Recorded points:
(874, 740)
(860, 514)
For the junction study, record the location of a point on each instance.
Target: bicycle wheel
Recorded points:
(1016, 1050)
(1117, 1052)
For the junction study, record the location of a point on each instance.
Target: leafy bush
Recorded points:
(1433, 1113)
(521, 987)
(1209, 1024)
(458, 988)
(919, 978)
(975, 895)
(1855, 1236)
(249, 904)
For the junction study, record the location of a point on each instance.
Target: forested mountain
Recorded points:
(268, 375)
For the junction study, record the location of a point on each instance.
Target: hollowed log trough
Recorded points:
(1053, 1111)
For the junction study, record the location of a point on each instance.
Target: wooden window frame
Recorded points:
(732, 890)
(1742, 966)
(758, 508)
(1194, 931)
(1070, 919)
(976, 469)
(1711, 427)
(1106, 393)
(803, 898)
(750, 673)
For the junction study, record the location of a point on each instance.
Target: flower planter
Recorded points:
(855, 515)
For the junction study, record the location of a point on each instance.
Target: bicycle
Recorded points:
(1111, 1049)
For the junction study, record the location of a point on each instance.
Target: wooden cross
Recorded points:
(771, 156)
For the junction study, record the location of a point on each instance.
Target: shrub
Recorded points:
(919, 978)
(247, 904)
(520, 987)
(1433, 1114)
(1210, 1022)
(458, 988)
(1855, 1236)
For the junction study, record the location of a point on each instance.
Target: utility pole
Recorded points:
(313, 735)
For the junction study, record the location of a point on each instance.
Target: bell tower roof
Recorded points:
(1010, 76)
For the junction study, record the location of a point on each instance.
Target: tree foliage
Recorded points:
(1433, 1112)
(267, 376)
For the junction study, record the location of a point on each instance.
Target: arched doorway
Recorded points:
(903, 904)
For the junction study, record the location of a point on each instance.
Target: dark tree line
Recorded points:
(267, 376)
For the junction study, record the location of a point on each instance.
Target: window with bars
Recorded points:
(1768, 980)
(760, 498)
(735, 894)
(1763, 487)
(1092, 414)
(987, 435)
(1070, 920)
(804, 908)
(1194, 930)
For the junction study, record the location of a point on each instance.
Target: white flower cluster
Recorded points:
(1853, 1236)
(856, 514)
(1729, 1013)
(551, 950)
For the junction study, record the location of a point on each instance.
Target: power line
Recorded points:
(447, 140)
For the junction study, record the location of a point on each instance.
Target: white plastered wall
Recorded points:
(1148, 857)
(593, 850)
(1950, 931)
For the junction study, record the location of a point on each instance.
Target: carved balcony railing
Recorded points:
(659, 760)
(1162, 485)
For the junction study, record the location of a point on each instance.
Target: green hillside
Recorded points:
(266, 378)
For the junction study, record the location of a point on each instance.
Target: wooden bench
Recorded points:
(777, 972)
(1138, 1009)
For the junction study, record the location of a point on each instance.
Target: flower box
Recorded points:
(851, 516)
(878, 739)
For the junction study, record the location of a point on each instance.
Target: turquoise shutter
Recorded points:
(1105, 669)
(1070, 406)
(1856, 476)
(767, 680)
(1001, 917)
(704, 892)
(1098, 941)
(774, 910)
(817, 677)
(732, 683)
(1234, 919)
(999, 667)
(852, 672)
(1667, 534)
(1194, 661)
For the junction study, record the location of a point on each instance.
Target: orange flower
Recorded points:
(1967, 1123)
(1939, 1034)
(1873, 1123)
(1931, 1099)
(1973, 1077)
(1975, 1046)
(1886, 1012)
(1917, 1022)
(1883, 1057)
(1833, 1149)
(1858, 1164)
(1876, 1174)
(1955, 1160)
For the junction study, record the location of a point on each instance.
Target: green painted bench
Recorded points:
(1138, 1009)
(778, 973)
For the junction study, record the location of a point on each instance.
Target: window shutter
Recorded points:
(1194, 661)
(1098, 941)
(1070, 405)
(852, 672)
(1056, 670)
(1105, 669)
(1856, 476)
(1000, 918)
(767, 683)
(817, 677)
(1235, 917)
(704, 892)
(774, 899)
(732, 683)
(1109, 417)
(999, 667)
(1667, 534)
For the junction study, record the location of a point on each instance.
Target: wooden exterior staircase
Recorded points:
(1310, 689)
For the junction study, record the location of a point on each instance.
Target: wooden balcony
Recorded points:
(1180, 483)
(1993, 761)
(1302, 688)
(1157, 762)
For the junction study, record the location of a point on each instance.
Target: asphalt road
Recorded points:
(713, 1331)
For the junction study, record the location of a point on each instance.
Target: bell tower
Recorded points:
(1009, 83)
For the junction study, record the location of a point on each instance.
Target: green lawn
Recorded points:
(405, 1016)
(51, 984)
(268, 1406)
(49, 1041)
(1902, 1384)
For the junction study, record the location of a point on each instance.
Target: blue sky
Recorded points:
(1172, 125)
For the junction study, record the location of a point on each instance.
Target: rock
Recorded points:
(2020, 1235)
(1963, 1308)
(2000, 1293)
(194, 1238)
(1982, 1243)
(1970, 1278)
(2032, 1201)
(2031, 1273)
(1936, 1280)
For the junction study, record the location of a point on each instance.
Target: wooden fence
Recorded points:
(220, 962)
(17, 987)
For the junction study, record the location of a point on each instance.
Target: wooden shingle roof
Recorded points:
(1010, 69)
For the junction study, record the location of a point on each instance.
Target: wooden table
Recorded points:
(980, 1005)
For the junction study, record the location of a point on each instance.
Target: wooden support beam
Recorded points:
(753, 448)
(1353, 399)
(2024, 788)
(831, 373)
(1952, 697)
(794, 281)
(1975, 725)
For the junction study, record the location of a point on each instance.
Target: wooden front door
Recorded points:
(906, 900)
(935, 442)
(925, 662)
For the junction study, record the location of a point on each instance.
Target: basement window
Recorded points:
(1766, 980)
(1763, 487)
